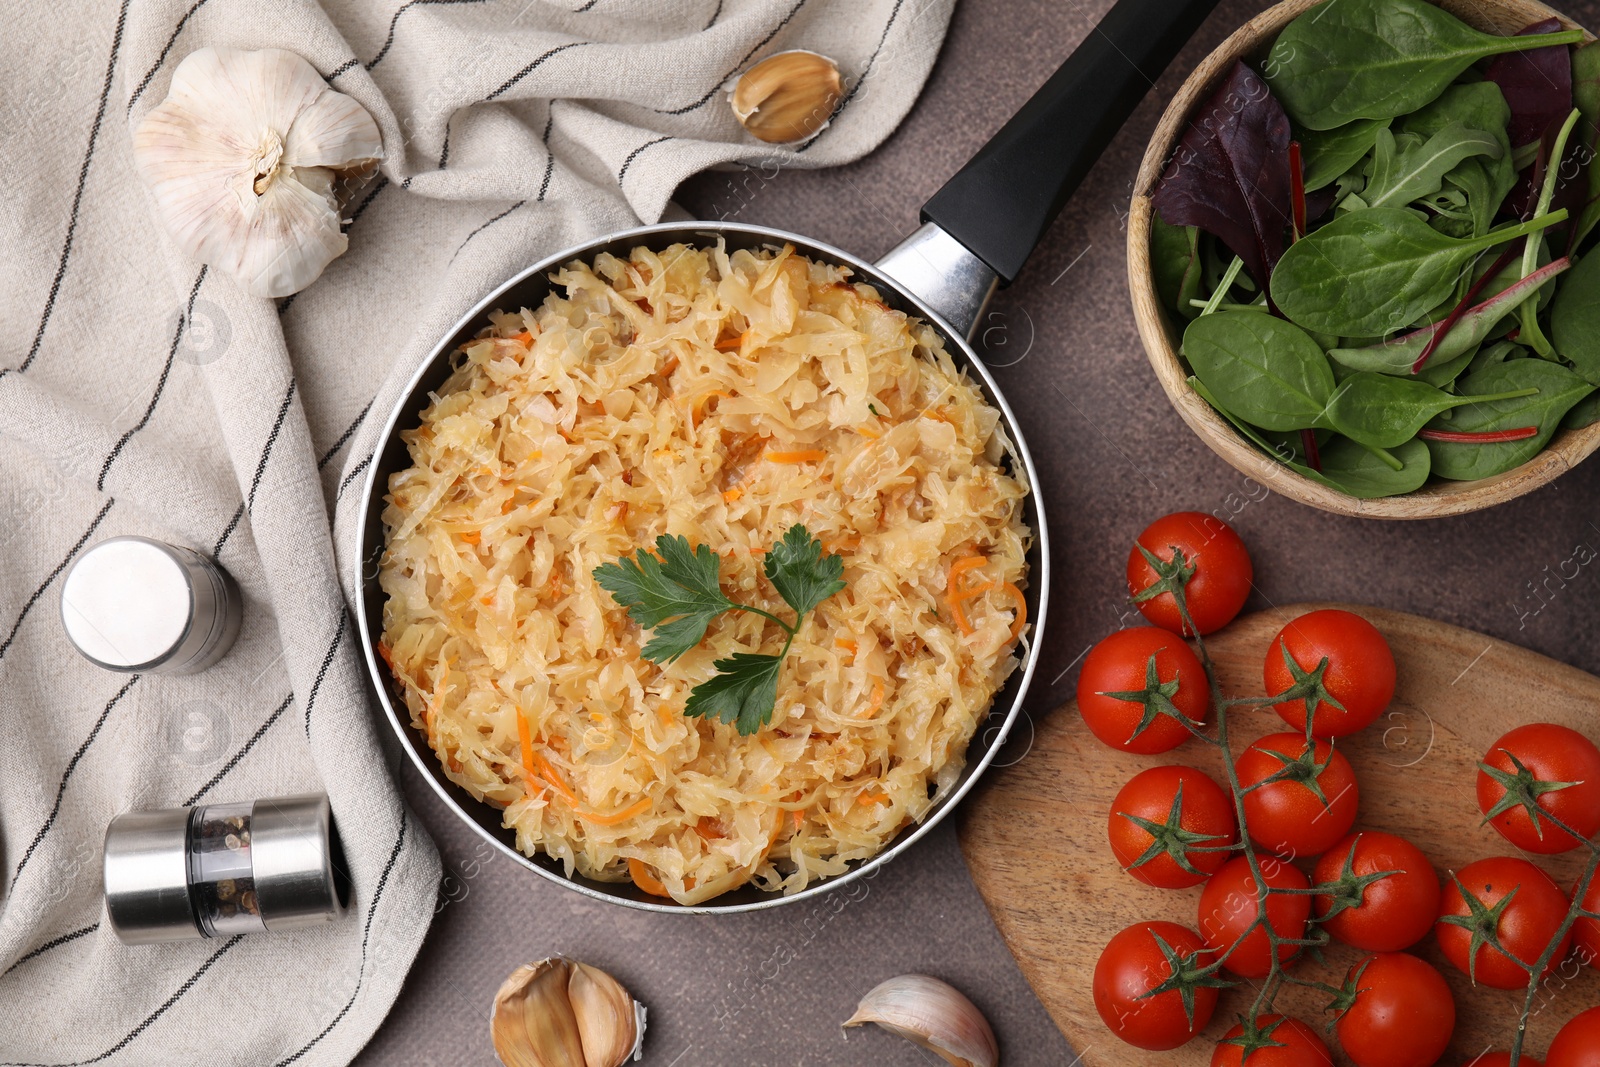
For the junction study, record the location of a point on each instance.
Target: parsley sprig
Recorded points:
(676, 592)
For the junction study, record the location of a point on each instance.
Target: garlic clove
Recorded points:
(241, 157)
(932, 1014)
(787, 96)
(561, 1013)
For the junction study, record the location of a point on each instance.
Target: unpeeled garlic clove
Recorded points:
(788, 96)
(241, 158)
(561, 1013)
(932, 1014)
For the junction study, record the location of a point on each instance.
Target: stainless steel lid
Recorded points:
(145, 874)
(296, 861)
(136, 604)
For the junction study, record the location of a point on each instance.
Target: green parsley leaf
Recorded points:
(681, 586)
(744, 691)
(801, 573)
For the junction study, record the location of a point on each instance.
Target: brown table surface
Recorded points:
(768, 990)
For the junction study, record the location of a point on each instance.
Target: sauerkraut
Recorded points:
(721, 396)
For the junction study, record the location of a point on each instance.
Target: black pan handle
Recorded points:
(1001, 202)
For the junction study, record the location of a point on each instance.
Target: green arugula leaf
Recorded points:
(801, 572)
(681, 585)
(743, 691)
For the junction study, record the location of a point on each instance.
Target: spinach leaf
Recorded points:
(1586, 95)
(1345, 60)
(1372, 272)
(1399, 355)
(1381, 411)
(1575, 318)
(1175, 262)
(1537, 84)
(1402, 174)
(1230, 173)
(1265, 370)
(1559, 389)
(1499, 352)
(1329, 154)
(1585, 412)
(1483, 182)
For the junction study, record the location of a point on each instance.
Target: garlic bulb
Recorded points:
(241, 158)
(787, 96)
(561, 1013)
(932, 1014)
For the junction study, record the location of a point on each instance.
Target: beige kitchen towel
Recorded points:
(143, 393)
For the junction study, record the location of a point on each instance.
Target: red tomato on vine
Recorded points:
(1230, 903)
(1214, 561)
(1273, 1042)
(1350, 692)
(1140, 960)
(1375, 910)
(1578, 1043)
(1396, 1011)
(1537, 771)
(1507, 899)
(1161, 816)
(1586, 931)
(1302, 798)
(1134, 686)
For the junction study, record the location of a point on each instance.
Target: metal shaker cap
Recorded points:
(136, 604)
(145, 873)
(297, 866)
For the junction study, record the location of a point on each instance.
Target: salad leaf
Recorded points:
(1575, 318)
(1230, 173)
(1267, 371)
(1586, 96)
(1559, 389)
(1345, 60)
(1329, 154)
(1175, 261)
(1416, 169)
(1381, 411)
(1537, 84)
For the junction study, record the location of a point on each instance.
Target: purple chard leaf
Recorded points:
(1536, 83)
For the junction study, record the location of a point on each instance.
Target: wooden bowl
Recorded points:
(1161, 338)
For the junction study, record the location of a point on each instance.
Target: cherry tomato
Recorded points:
(1205, 820)
(1229, 905)
(1131, 965)
(1526, 925)
(1503, 1059)
(1586, 931)
(1294, 1044)
(1578, 1043)
(1359, 675)
(1286, 816)
(1222, 572)
(1402, 1016)
(1548, 753)
(1393, 913)
(1120, 664)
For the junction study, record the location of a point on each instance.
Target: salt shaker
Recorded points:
(223, 869)
(136, 604)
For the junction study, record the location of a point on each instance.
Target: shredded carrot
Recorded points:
(960, 567)
(472, 537)
(710, 829)
(871, 435)
(387, 656)
(618, 511)
(876, 702)
(731, 495)
(698, 412)
(615, 817)
(799, 818)
(487, 601)
(671, 364)
(548, 773)
(955, 605)
(1022, 609)
(936, 414)
(848, 646)
(873, 798)
(809, 455)
(525, 337)
(729, 344)
(642, 878)
(526, 737)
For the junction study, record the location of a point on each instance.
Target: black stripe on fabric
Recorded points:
(444, 153)
(242, 753)
(389, 41)
(66, 776)
(626, 163)
(150, 1019)
(144, 83)
(161, 382)
(59, 567)
(737, 66)
(77, 197)
(56, 942)
(549, 154)
(715, 15)
(366, 934)
(348, 478)
(233, 524)
(327, 661)
(529, 69)
(382, 184)
(485, 226)
(344, 438)
(894, 13)
(344, 68)
(272, 439)
(586, 7)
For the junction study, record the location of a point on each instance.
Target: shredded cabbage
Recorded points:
(721, 396)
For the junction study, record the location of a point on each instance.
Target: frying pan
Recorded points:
(977, 231)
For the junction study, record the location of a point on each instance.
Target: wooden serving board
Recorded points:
(1035, 834)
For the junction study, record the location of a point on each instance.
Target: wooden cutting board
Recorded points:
(1035, 834)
